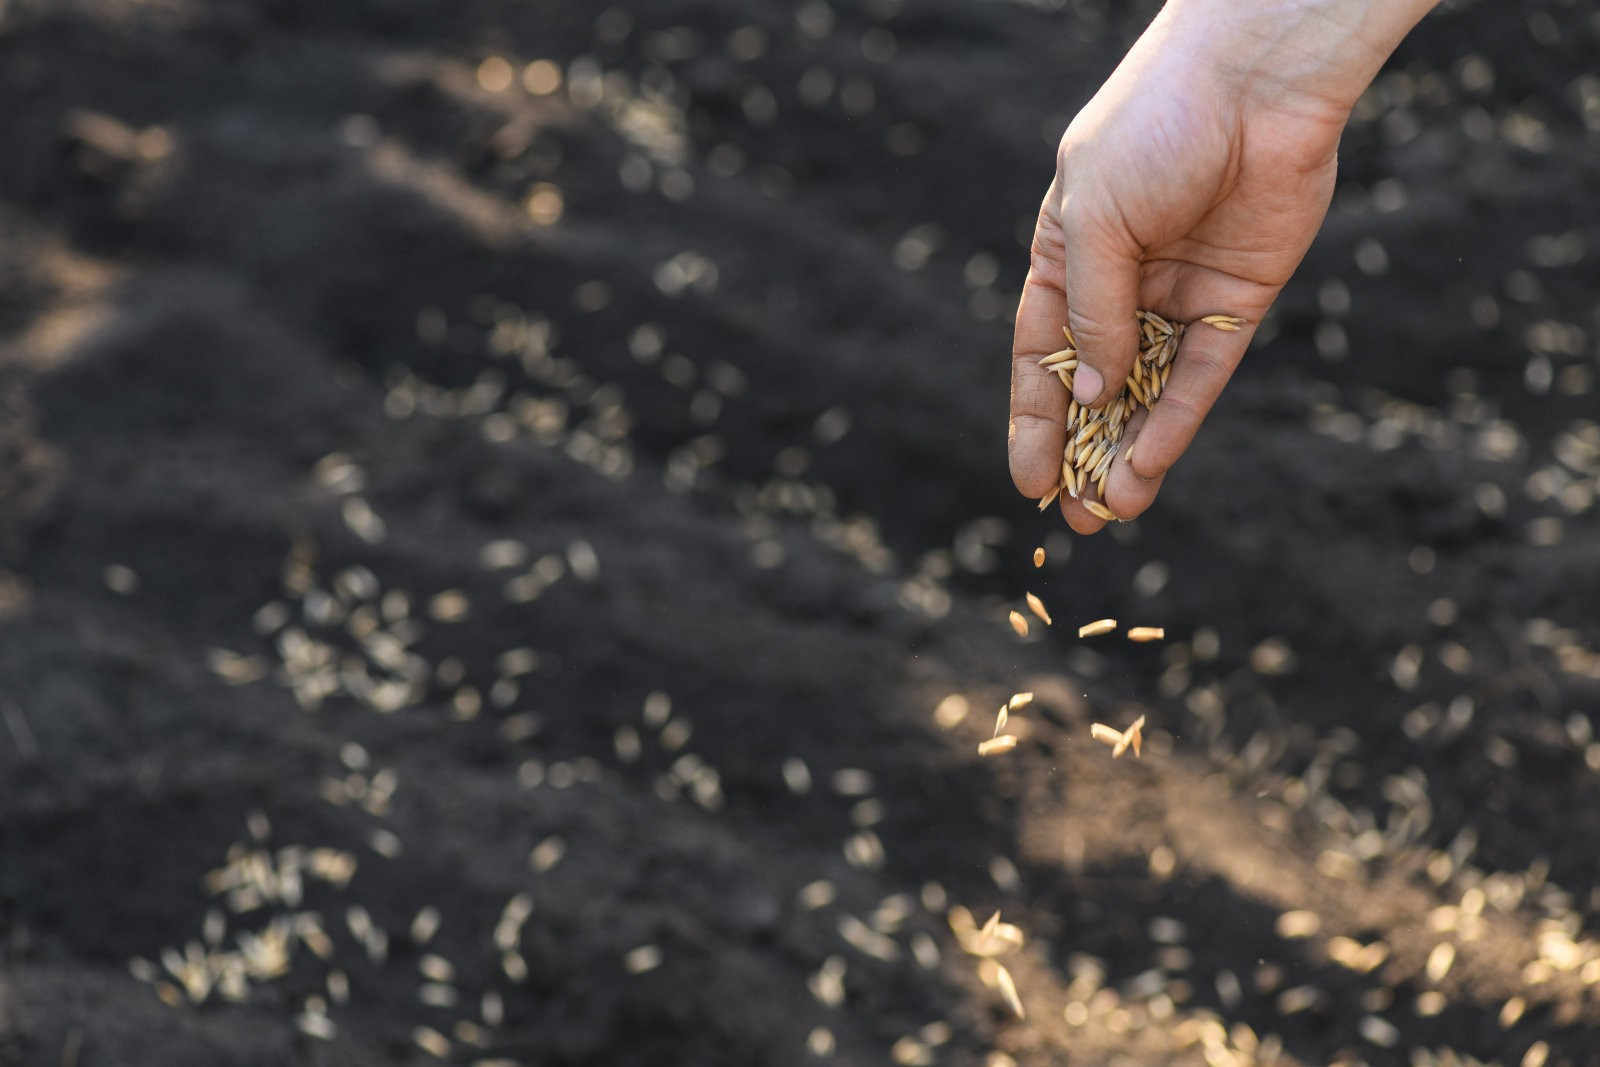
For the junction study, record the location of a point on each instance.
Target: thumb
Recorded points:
(1102, 304)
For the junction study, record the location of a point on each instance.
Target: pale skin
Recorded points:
(1191, 185)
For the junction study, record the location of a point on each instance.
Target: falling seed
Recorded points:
(1019, 623)
(1038, 556)
(1000, 720)
(1133, 735)
(1096, 628)
(1008, 989)
(1146, 633)
(1019, 700)
(1107, 734)
(1511, 1011)
(996, 745)
(1036, 606)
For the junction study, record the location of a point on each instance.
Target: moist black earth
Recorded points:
(502, 507)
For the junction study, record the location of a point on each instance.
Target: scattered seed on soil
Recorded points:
(818, 894)
(820, 1042)
(796, 775)
(431, 1041)
(1036, 606)
(642, 959)
(1376, 1029)
(1005, 875)
(547, 853)
(1019, 624)
(1146, 633)
(1298, 924)
(1440, 961)
(1096, 628)
(997, 745)
(951, 711)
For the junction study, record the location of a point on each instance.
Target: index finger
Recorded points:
(1206, 358)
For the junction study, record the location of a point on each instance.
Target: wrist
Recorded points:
(1320, 53)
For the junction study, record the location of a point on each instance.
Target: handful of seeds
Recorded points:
(1094, 437)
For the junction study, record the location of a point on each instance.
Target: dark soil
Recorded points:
(277, 327)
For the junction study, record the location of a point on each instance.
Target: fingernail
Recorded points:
(1087, 384)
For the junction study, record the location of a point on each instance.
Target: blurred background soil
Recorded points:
(493, 494)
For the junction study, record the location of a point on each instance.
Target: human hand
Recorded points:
(1191, 185)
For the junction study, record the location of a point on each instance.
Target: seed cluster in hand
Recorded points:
(1094, 436)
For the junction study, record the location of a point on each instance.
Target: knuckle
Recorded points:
(1047, 253)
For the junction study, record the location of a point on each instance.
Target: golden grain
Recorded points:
(1019, 701)
(1008, 989)
(642, 959)
(997, 745)
(431, 1041)
(1096, 628)
(1298, 924)
(1000, 719)
(1038, 556)
(1095, 434)
(1036, 606)
(1107, 734)
(1440, 961)
(1133, 735)
(1019, 623)
(1120, 740)
(1146, 633)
